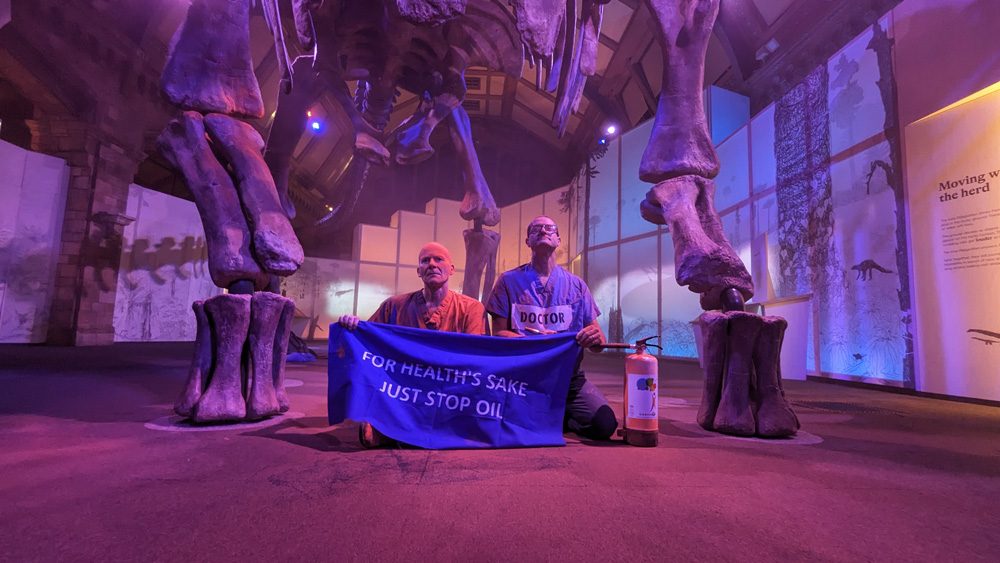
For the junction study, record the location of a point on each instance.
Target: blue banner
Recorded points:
(442, 390)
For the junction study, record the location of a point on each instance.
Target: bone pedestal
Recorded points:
(221, 387)
(743, 394)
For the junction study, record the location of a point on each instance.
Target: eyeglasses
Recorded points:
(535, 229)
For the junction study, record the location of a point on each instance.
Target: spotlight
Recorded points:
(611, 129)
(309, 113)
(315, 125)
(602, 142)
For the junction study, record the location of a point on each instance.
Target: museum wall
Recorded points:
(945, 50)
(163, 269)
(32, 203)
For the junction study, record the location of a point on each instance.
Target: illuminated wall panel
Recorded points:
(764, 166)
(373, 243)
(336, 280)
(856, 110)
(602, 278)
(163, 269)
(639, 285)
(301, 287)
(448, 228)
(604, 199)
(860, 332)
(376, 283)
(732, 185)
(726, 112)
(553, 209)
(415, 230)
(32, 201)
(634, 190)
(531, 208)
(511, 238)
(407, 280)
(736, 225)
(678, 307)
(323, 290)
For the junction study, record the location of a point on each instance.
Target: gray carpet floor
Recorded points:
(93, 469)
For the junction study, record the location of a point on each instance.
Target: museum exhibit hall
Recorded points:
(722, 273)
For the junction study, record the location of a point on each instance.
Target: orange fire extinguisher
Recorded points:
(642, 425)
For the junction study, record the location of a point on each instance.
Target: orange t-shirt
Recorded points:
(456, 313)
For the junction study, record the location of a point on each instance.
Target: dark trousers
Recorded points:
(587, 410)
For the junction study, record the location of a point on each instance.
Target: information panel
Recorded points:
(953, 170)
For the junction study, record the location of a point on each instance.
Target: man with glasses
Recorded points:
(434, 307)
(541, 297)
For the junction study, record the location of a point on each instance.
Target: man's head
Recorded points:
(434, 265)
(542, 232)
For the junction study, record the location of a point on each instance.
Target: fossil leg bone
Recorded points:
(283, 333)
(735, 414)
(478, 201)
(209, 68)
(703, 258)
(227, 236)
(680, 143)
(274, 242)
(714, 327)
(480, 253)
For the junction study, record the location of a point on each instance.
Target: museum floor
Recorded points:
(92, 469)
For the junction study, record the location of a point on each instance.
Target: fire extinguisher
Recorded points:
(642, 424)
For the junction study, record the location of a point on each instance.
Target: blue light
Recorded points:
(315, 125)
(603, 142)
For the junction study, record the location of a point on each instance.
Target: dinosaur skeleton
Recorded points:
(425, 47)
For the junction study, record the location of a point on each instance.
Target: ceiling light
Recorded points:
(611, 129)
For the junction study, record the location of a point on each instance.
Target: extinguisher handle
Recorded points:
(645, 343)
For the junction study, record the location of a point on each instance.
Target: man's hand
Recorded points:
(350, 322)
(591, 337)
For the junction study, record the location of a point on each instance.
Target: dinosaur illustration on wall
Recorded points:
(865, 268)
(994, 335)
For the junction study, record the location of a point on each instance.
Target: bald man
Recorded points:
(434, 307)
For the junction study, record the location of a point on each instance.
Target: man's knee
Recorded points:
(603, 425)
(600, 426)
